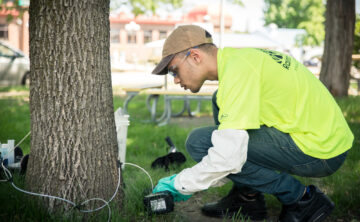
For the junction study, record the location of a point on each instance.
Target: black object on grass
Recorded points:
(173, 157)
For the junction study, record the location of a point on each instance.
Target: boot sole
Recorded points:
(322, 213)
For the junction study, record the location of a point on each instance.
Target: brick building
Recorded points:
(15, 32)
(128, 34)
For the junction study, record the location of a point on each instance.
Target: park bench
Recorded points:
(154, 91)
(171, 94)
(133, 90)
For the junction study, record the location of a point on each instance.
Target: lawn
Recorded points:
(144, 144)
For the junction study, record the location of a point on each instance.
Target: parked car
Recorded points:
(14, 66)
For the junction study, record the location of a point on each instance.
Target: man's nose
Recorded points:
(176, 80)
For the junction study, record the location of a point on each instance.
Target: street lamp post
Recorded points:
(221, 34)
(132, 28)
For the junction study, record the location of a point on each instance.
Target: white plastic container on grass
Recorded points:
(122, 122)
(5, 148)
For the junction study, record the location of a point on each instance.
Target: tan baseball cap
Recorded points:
(182, 38)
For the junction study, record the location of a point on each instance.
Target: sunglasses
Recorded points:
(173, 69)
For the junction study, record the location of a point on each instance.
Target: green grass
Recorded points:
(145, 143)
(13, 88)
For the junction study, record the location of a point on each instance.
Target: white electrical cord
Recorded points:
(9, 177)
(6, 171)
(131, 164)
(106, 203)
(42, 195)
(22, 140)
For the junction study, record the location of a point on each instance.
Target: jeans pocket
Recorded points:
(335, 163)
(316, 168)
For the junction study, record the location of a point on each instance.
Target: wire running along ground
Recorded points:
(106, 203)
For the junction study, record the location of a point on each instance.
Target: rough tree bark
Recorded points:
(339, 38)
(73, 136)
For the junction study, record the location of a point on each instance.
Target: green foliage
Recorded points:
(356, 49)
(16, 6)
(236, 2)
(301, 14)
(138, 6)
(142, 6)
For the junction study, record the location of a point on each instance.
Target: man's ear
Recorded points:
(196, 55)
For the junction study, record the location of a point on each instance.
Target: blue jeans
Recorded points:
(272, 157)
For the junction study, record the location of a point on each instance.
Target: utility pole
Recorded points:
(221, 34)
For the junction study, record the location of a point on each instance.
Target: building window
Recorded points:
(4, 31)
(147, 36)
(131, 38)
(115, 35)
(162, 34)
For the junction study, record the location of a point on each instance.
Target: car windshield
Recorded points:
(6, 52)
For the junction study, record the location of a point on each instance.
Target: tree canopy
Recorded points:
(138, 6)
(301, 14)
(13, 5)
(142, 6)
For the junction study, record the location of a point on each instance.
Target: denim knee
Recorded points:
(199, 141)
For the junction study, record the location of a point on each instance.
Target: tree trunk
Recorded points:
(339, 38)
(73, 137)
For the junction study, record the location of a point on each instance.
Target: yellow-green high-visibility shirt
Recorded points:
(263, 87)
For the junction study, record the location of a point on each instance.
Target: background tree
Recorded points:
(9, 5)
(137, 6)
(339, 38)
(144, 6)
(356, 49)
(301, 14)
(73, 137)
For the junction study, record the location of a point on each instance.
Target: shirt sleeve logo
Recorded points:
(223, 116)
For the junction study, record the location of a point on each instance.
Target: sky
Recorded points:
(248, 17)
(245, 18)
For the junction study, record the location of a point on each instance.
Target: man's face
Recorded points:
(187, 71)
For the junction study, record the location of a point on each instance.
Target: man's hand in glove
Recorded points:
(167, 184)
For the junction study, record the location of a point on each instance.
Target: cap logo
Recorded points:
(207, 34)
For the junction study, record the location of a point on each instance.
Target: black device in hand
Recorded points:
(159, 203)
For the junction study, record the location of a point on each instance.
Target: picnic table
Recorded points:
(177, 94)
(154, 91)
(133, 90)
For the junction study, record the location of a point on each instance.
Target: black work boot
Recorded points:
(252, 207)
(314, 206)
